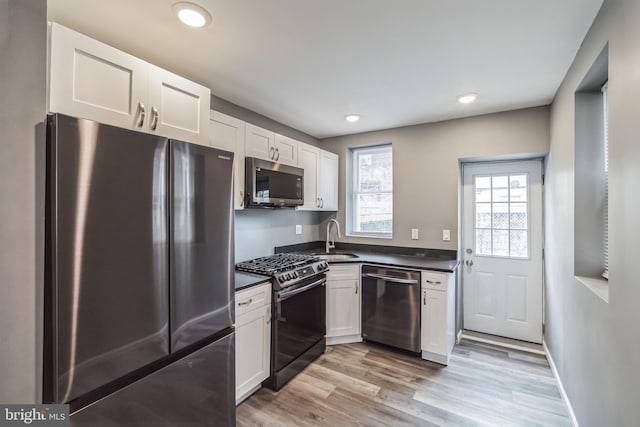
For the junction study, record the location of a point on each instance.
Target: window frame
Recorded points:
(353, 193)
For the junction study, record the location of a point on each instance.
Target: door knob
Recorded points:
(469, 262)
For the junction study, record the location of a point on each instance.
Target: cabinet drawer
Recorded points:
(433, 280)
(343, 272)
(249, 299)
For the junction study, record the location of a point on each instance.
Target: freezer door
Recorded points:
(195, 391)
(106, 302)
(201, 242)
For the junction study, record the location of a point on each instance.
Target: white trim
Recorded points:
(347, 339)
(563, 393)
(459, 336)
(502, 344)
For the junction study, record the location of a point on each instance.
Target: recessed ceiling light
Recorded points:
(468, 98)
(191, 14)
(352, 118)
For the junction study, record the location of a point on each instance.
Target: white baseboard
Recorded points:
(459, 336)
(347, 339)
(563, 393)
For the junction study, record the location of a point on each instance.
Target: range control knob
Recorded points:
(282, 278)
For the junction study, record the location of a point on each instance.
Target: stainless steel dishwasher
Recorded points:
(391, 307)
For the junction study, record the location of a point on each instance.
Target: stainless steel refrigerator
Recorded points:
(139, 292)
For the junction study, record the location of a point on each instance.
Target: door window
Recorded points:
(501, 215)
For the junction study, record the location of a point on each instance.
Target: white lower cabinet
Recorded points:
(437, 300)
(343, 304)
(253, 339)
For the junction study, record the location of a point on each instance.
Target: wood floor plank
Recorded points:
(369, 385)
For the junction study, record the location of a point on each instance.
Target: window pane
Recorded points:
(518, 216)
(374, 171)
(500, 189)
(501, 242)
(500, 215)
(519, 246)
(483, 242)
(374, 213)
(518, 188)
(483, 188)
(483, 215)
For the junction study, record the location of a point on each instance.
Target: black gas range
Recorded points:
(298, 324)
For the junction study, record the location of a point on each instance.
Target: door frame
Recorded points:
(542, 158)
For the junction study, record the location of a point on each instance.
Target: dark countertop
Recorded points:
(393, 260)
(248, 280)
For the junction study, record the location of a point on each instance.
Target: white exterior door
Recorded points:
(502, 249)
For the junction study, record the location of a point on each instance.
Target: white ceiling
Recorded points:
(307, 63)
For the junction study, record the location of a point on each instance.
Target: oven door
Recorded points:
(299, 320)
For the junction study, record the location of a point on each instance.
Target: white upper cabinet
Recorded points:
(286, 150)
(320, 178)
(264, 144)
(179, 108)
(259, 143)
(309, 160)
(328, 181)
(228, 133)
(89, 79)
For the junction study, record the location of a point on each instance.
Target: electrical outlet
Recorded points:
(298, 229)
(414, 234)
(446, 235)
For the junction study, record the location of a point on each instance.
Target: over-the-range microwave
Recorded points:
(270, 184)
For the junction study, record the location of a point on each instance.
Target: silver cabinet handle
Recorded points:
(268, 314)
(321, 202)
(154, 118)
(431, 282)
(241, 199)
(245, 302)
(390, 279)
(140, 120)
(317, 202)
(469, 262)
(356, 286)
(272, 152)
(424, 298)
(277, 154)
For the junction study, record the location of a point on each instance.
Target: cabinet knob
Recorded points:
(140, 120)
(154, 118)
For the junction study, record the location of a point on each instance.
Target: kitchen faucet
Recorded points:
(332, 244)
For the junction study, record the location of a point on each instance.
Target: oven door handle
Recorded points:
(286, 295)
(390, 279)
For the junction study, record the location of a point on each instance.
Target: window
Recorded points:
(370, 205)
(502, 215)
(605, 205)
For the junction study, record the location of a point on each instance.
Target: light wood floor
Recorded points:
(370, 385)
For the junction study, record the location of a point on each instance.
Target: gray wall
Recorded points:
(22, 106)
(594, 343)
(258, 231)
(231, 109)
(426, 168)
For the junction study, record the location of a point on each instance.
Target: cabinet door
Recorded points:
(328, 181)
(227, 133)
(91, 80)
(259, 143)
(343, 307)
(286, 150)
(178, 108)
(434, 321)
(309, 160)
(253, 346)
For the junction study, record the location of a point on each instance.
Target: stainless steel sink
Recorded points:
(335, 256)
